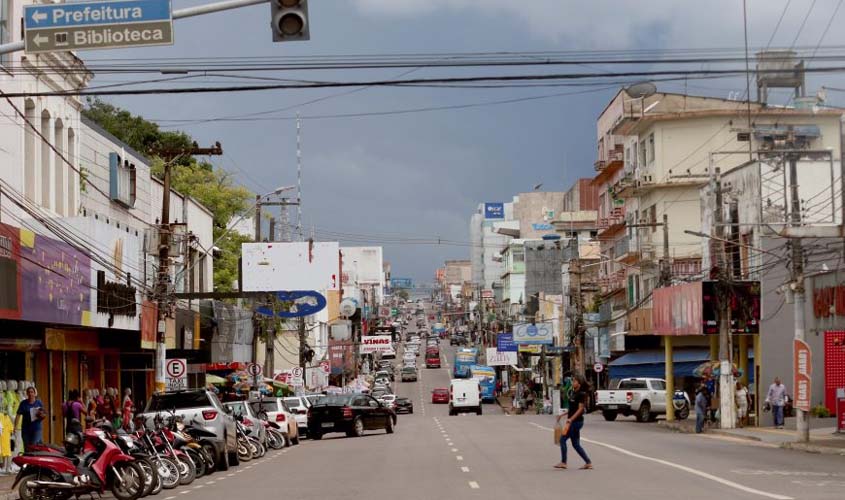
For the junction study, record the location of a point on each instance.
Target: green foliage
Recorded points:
(213, 188)
(820, 411)
(403, 294)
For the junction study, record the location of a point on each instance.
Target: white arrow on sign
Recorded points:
(39, 16)
(38, 39)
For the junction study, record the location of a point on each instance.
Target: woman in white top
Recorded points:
(742, 400)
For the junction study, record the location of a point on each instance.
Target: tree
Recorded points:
(403, 294)
(212, 187)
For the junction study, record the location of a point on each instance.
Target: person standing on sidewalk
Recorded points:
(702, 402)
(776, 398)
(574, 423)
(32, 413)
(742, 403)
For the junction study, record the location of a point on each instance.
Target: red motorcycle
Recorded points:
(90, 463)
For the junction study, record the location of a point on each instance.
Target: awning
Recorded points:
(651, 363)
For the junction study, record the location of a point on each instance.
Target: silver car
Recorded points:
(250, 419)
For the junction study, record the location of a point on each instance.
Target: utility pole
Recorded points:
(802, 423)
(724, 293)
(666, 280)
(577, 364)
(163, 285)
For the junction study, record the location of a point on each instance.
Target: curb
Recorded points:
(811, 448)
(9, 495)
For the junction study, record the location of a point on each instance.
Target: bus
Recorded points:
(464, 358)
(486, 377)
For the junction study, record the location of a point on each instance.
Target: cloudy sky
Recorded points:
(420, 175)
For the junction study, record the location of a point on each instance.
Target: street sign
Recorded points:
(176, 371)
(325, 366)
(598, 367)
(253, 369)
(97, 25)
(803, 372)
(297, 376)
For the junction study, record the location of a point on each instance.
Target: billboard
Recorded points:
(692, 308)
(365, 263)
(494, 210)
(500, 358)
(533, 333)
(341, 356)
(401, 282)
(376, 343)
(10, 272)
(56, 281)
(275, 266)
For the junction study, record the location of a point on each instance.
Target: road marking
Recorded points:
(230, 474)
(684, 468)
(183, 492)
(198, 486)
(464, 469)
(474, 485)
(212, 481)
(459, 458)
(169, 498)
(454, 450)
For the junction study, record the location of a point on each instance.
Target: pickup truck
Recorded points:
(644, 398)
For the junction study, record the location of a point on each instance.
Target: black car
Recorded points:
(404, 405)
(349, 413)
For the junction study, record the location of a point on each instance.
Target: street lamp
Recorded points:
(278, 191)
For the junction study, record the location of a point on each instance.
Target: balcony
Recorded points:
(612, 282)
(624, 187)
(616, 220)
(613, 158)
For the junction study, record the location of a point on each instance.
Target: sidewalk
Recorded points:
(5, 484)
(823, 439)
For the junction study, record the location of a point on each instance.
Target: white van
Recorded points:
(464, 396)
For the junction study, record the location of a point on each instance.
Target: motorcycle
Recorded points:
(275, 437)
(90, 463)
(247, 448)
(203, 437)
(681, 403)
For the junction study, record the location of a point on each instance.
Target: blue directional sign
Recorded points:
(300, 304)
(97, 25)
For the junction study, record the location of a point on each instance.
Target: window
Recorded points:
(650, 153)
(632, 384)
(519, 255)
(202, 272)
(60, 169)
(72, 182)
(642, 157)
(46, 155)
(658, 385)
(122, 180)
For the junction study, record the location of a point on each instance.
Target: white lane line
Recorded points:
(230, 474)
(169, 498)
(474, 485)
(198, 486)
(459, 458)
(183, 492)
(684, 468)
(464, 469)
(454, 450)
(212, 481)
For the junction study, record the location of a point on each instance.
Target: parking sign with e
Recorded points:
(177, 374)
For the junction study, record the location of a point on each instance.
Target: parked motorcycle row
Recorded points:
(129, 465)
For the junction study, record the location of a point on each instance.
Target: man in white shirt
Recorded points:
(776, 397)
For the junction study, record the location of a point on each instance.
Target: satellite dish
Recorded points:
(641, 90)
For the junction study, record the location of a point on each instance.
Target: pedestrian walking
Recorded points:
(702, 402)
(574, 423)
(743, 401)
(776, 398)
(32, 415)
(73, 410)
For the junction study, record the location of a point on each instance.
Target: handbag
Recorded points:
(558, 432)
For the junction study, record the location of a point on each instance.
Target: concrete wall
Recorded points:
(531, 209)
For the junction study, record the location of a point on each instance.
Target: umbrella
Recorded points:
(713, 369)
(214, 379)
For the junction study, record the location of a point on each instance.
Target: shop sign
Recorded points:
(533, 333)
(692, 308)
(505, 343)
(56, 281)
(802, 370)
(500, 358)
(376, 343)
(341, 356)
(530, 349)
(834, 367)
(487, 294)
(56, 339)
(149, 324)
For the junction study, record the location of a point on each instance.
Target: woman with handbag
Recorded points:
(574, 422)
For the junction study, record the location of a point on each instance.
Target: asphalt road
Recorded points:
(494, 456)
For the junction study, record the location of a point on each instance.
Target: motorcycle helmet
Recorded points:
(73, 442)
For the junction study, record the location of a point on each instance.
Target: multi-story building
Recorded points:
(513, 277)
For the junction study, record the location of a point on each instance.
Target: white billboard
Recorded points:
(366, 263)
(533, 333)
(376, 343)
(275, 266)
(504, 358)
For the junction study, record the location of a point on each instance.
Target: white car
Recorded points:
(391, 354)
(464, 396)
(299, 407)
(388, 400)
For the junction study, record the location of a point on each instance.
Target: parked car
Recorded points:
(313, 398)
(250, 419)
(199, 407)
(379, 392)
(275, 410)
(409, 374)
(643, 397)
(464, 396)
(299, 406)
(349, 413)
(440, 395)
(385, 373)
(403, 405)
(388, 400)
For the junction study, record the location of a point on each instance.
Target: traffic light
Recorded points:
(289, 20)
